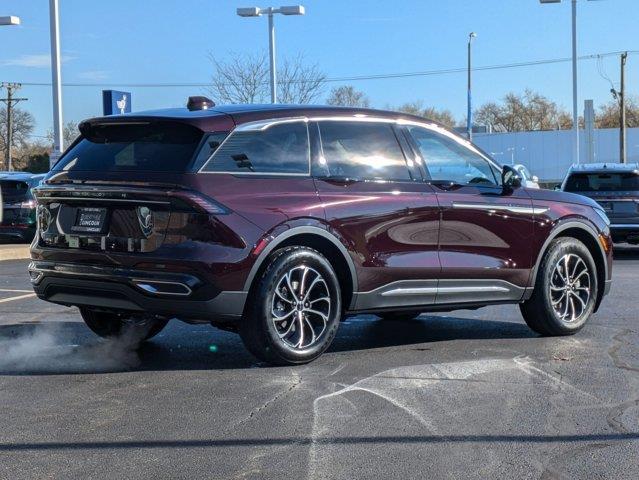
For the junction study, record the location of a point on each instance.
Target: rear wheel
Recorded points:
(294, 310)
(112, 325)
(565, 289)
(399, 316)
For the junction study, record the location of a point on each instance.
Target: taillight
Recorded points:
(199, 201)
(43, 217)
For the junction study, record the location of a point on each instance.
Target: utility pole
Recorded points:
(10, 102)
(469, 114)
(622, 110)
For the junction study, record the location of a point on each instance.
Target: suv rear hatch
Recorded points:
(17, 203)
(616, 192)
(115, 188)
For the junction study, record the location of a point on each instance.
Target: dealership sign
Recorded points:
(115, 102)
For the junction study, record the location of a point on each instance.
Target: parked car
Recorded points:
(278, 221)
(614, 186)
(528, 180)
(18, 205)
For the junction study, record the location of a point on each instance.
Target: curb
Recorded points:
(14, 252)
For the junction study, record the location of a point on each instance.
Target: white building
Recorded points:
(548, 154)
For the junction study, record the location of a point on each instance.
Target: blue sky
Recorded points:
(163, 41)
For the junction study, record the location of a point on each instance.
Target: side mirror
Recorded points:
(510, 178)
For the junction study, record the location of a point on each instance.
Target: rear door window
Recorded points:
(144, 146)
(279, 149)
(361, 150)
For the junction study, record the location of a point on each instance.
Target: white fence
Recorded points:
(548, 154)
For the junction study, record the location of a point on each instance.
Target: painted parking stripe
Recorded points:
(19, 297)
(13, 290)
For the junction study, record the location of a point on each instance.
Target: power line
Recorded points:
(353, 78)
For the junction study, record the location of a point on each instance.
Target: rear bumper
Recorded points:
(623, 232)
(25, 233)
(172, 295)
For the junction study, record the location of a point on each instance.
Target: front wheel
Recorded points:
(294, 310)
(113, 325)
(565, 290)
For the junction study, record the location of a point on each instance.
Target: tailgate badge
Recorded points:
(145, 219)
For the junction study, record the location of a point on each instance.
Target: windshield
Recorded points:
(158, 146)
(602, 182)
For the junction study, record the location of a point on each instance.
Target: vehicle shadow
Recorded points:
(70, 348)
(374, 333)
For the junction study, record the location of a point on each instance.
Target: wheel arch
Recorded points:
(324, 242)
(586, 234)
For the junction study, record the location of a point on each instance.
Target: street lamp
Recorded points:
(575, 112)
(469, 116)
(58, 141)
(270, 11)
(10, 20)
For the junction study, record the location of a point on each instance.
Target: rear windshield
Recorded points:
(13, 190)
(602, 182)
(149, 146)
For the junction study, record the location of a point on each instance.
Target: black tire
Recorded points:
(113, 325)
(261, 332)
(544, 312)
(399, 316)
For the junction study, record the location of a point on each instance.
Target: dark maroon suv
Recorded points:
(279, 221)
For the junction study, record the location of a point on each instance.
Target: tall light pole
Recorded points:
(270, 11)
(58, 141)
(469, 116)
(575, 107)
(10, 20)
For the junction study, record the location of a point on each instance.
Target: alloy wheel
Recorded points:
(301, 306)
(570, 288)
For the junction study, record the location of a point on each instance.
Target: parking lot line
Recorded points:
(19, 297)
(14, 290)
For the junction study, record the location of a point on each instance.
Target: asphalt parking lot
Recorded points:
(458, 395)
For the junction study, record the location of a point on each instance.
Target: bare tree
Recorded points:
(69, 133)
(608, 114)
(445, 117)
(523, 112)
(22, 126)
(244, 79)
(347, 96)
(298, 82)
(33, 157)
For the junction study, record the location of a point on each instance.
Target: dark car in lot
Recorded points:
(614, 186)
(18, 205)
(279, 221)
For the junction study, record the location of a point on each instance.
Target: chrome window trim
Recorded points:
(261, 125)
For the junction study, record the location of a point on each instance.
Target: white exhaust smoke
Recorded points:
(47, 349)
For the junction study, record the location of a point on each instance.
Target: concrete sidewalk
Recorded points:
(14, 251)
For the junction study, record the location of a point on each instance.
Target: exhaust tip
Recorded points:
(156, 287)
